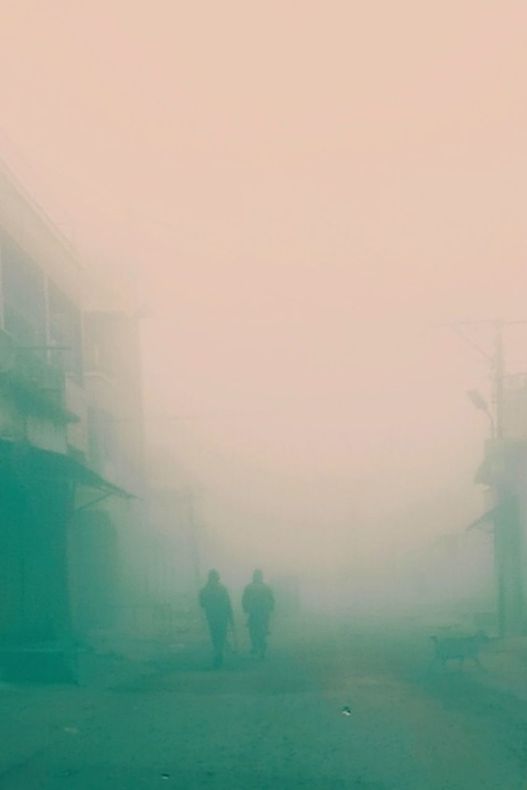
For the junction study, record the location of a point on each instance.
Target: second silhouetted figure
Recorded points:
(258, 603)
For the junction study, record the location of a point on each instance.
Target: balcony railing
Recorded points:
(36, 387)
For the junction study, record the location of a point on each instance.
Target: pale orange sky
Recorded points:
(303, 189)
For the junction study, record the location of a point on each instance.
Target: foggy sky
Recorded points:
(304, 191)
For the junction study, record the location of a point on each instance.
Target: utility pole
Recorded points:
(194, 543)
(502, 526)
(507, 525)
(499, 379)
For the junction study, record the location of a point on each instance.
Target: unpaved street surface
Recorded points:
(278, 724)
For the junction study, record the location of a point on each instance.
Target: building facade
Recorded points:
(71, 432)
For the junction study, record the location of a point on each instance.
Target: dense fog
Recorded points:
(301, 206)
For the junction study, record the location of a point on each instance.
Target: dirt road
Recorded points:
(279, 724)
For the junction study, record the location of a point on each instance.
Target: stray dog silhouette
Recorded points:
(459, 648)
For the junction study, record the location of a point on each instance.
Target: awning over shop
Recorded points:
(35, 463)
(486, 518)
(502, 461)
(485, 474)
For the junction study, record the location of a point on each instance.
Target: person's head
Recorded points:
(214, 576)
(258, 576)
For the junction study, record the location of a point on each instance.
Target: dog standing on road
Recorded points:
(459, 648)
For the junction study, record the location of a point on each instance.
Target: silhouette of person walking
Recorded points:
(258, 603)
(216, 603)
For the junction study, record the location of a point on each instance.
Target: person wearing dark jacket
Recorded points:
(258, 604)
(216, 603)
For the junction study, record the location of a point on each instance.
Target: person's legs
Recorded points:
(258, 633)
(253, 634)
(264, 630)
(218, 634)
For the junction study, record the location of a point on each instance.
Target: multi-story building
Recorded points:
(109, 531)
(71, 441)
(174, 543)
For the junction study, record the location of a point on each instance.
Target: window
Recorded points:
(24, 296)
(65, 333)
